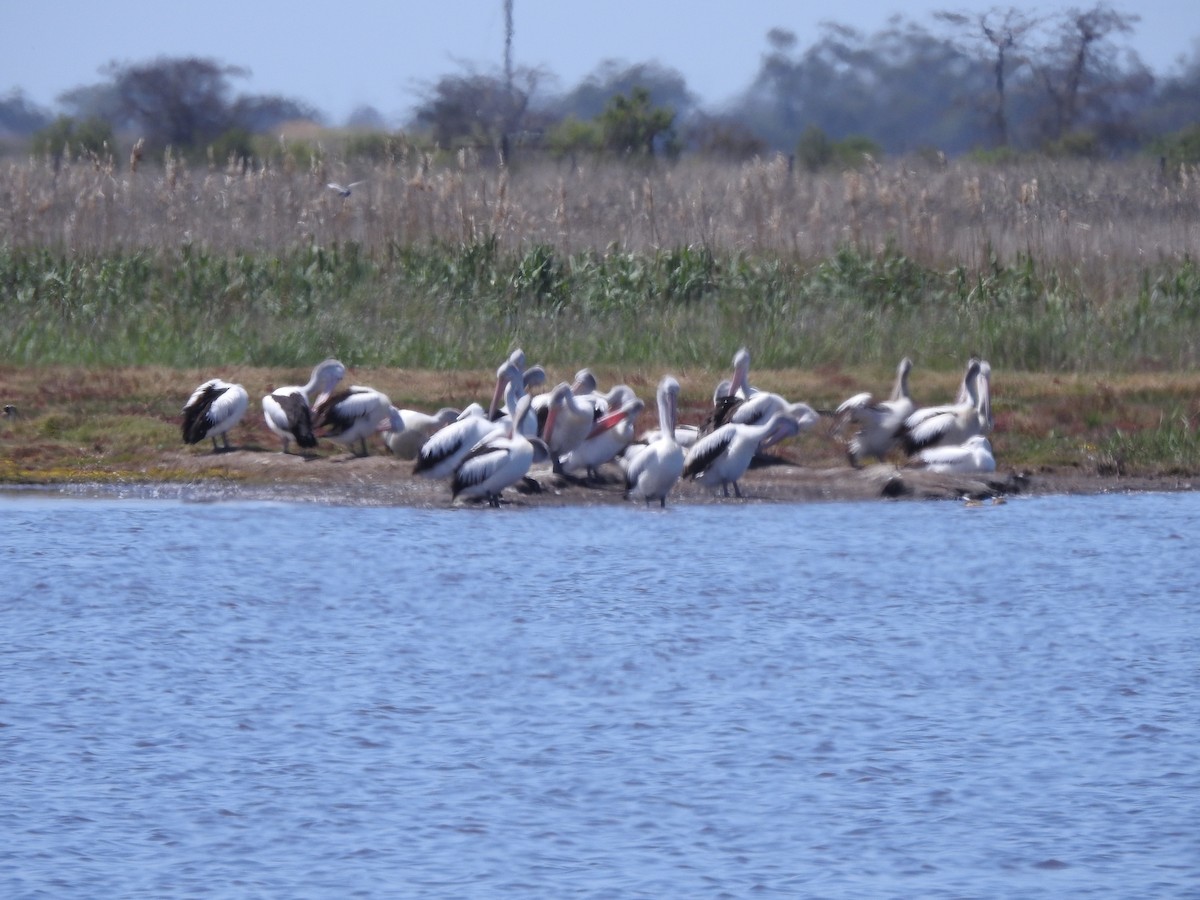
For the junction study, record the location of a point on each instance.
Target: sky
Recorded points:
(383, 53)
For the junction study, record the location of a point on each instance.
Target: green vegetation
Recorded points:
(461, 306)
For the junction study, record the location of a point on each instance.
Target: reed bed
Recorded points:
(1038, 265)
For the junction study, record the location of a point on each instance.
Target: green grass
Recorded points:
(463, 306)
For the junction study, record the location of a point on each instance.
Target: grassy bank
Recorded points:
(122, 424)
(154, 280)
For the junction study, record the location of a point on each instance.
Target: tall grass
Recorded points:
(1041, 265)
(464, 306)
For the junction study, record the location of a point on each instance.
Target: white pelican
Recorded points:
(879, 424)
(349, 416)
(609, 437)
(730, 394)
(500, 460)
(952, 424)
(723, 456)
(288, 410)
(569, 421)
(405, 430)
(214, 408)
(653, 471)
(440, 455)
(971, 457)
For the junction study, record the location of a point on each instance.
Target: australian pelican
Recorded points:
(214, 408)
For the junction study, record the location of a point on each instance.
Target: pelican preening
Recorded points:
(349, 416)
(498, 461)
(214, 408)
(610, 435)
(288, 410)
(879, 423)
(954, 423)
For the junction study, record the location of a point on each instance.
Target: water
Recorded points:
(842, 700)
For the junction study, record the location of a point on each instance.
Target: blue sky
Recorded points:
(380, 52)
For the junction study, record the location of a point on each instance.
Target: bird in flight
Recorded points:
(343, 189)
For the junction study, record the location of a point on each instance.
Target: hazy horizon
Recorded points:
(380, 55)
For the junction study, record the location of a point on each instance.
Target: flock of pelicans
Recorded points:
(576, 428)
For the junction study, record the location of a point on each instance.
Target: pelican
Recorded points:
(569, 421)
(610, 435)
(879, 424)
(405, 430)
(212, 410)
(288, 410)
(498, 461)
(344, 190)
(723, 456)
(952, 424)
(653, 471)
(348, 416)
(729, 394)
(440, 455)
(969, 458)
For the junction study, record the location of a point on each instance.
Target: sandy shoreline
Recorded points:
(253, 475)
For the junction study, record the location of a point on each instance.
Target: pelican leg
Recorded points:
(737, 490)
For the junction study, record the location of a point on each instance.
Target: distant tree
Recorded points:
(1175, 102)
(367, 118)
(632, 125)
(66, 135)
(1083, 77)
(665, 86)
(572, 138)
(95, 101)
(722, 137)
(1001, 34)
(474, 109)
(815, 151)
(180, 102)
(19, 115)
(899, 87)
(185, 103)
(263, 113)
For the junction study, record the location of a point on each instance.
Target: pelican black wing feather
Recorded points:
(195, 417)
(299, 418)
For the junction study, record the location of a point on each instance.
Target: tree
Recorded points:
(1080, 70)
(722, 137)
(66, 135)
(178, 102)
(899, 87)
(475, 109)
(612, 78)
(1001, 32)
(19, 115)
(260, 113)
(632, 125)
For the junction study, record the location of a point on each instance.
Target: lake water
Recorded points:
(827, 700)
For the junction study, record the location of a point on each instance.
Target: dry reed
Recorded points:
(1098, 222)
